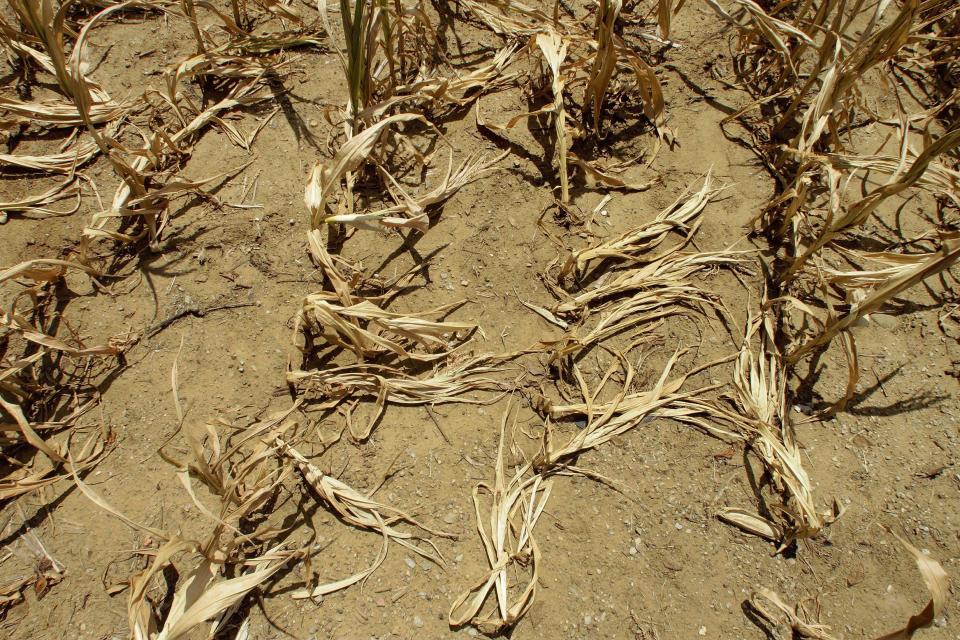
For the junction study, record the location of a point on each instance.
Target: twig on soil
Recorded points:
(437, 423)
(193, 310)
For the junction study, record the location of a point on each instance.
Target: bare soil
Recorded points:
(648, 561)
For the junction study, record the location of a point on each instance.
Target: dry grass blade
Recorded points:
(508, 541)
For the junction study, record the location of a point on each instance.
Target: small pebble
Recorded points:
(883, 320)
(587, 621)
(417, 621)
(702, 631)
(410, 563)
(678, 527)
(450, 518)
(464, 283)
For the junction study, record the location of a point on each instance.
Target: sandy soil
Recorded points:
(649, 561)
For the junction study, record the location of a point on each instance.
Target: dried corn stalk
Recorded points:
(369, 331)
(515, 507)
(762, 415)
(901, 277)
(384, 384)
(604, 62)
(244, 475)
(681, 217)
(554, 49)
(624, 412)
(28, 348)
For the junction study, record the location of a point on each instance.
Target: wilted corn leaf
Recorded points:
(509, 17)
(369, 331)
(325, 178)
(904, 278)
(604, 62)
(472, 168)
(673, 269)
(796, 617)
(624, 412)
(681, 217)
(36, 205)
(462, 89)
(764, 419)
(596, 176)
(64, 162)
(508, 541)
(201, 596)
(360, 511)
